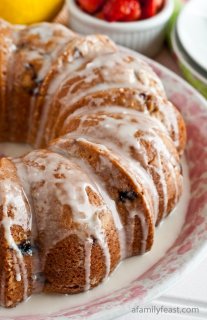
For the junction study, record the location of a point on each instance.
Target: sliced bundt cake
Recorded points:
(109, 170)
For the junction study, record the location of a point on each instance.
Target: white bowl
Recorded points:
(145, 36)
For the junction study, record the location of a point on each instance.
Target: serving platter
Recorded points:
(180, 244)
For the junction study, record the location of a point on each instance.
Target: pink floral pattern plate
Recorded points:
(190, 246)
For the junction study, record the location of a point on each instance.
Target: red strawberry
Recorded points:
(148, 8)
(100, 15)
(91, 6)
(159, 4)
(122, 10)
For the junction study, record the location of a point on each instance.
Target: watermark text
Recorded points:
(164, 309)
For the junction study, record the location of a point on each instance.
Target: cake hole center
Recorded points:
(10, 149)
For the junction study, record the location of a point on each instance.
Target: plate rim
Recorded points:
(182, 57)
(193, 56)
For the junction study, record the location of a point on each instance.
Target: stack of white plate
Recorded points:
(189, 43)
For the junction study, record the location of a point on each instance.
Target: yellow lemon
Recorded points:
(29, 11)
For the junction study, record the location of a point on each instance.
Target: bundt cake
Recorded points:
(108, 170)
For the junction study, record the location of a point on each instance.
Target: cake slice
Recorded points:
(113, 79)
(73, 58)
(76, 236)
(35, 49)
(129, 186)
(139, 138)
(15, 237)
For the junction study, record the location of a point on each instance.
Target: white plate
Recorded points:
(141, 279)
(186, 60)
(191, 71)
(192, 30)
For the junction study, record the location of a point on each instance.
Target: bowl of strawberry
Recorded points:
(137, 24)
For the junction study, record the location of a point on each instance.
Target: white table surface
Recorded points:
(192, 289)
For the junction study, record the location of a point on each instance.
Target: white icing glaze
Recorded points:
(42, 31)
(112, 206)
(88, 247)
(144, 227)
